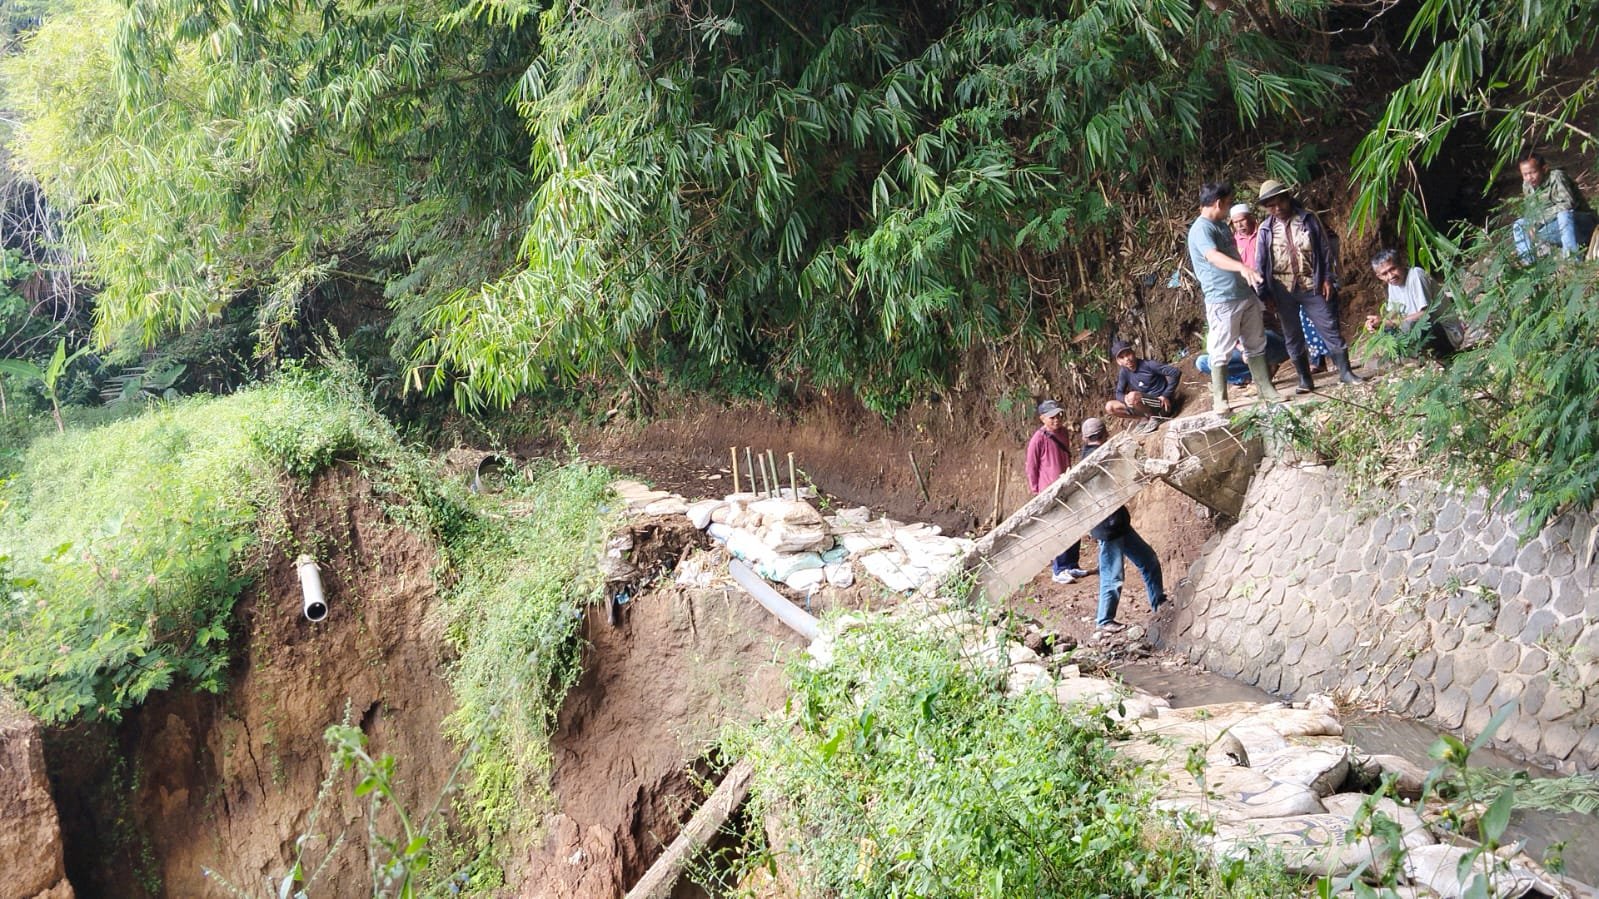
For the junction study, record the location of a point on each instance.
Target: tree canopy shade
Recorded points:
(849, 194)
(1522, 72)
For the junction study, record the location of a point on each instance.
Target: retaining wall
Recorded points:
(1424, 601)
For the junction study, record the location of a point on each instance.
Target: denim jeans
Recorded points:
(1071, 558)
(1111, 555)
(1570, 230)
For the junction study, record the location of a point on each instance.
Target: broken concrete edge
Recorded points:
(1123, 447)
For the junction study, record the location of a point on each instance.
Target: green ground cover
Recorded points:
(127, 544)
(904, 772)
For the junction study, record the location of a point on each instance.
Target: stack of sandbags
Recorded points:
(790, 542)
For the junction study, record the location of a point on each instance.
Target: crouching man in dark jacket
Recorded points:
(1144, 387)
(1118, 542)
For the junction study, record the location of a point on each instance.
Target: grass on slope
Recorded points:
(124, 547)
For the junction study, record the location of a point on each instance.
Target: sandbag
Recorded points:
(855, 515)
(782, 567)
(1436, 868)
(667, 505)
(894, 570)
(774, 510)
(1312, 845)
(806, 579)
(1245, 793)
(1322, 770)
(1297, 722)
(841, 575)
(790, 537)
(860, 543)
(1410, 823)
(744, 545)
(702, 512)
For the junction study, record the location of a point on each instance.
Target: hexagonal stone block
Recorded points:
(1531, 558)
(1559, 739)
(1503, 552)
(1539, 624)
(1512, 618)
(1450, 710)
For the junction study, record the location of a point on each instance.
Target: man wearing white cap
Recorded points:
(1232, 309)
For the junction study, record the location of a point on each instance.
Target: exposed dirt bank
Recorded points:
(230, 782)
(634, 733)
(30, 831)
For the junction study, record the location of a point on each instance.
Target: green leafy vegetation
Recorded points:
(1520, 73)
(904, 772)
(133, 540)
(741, 196)
(1514, 415)
(528, 570)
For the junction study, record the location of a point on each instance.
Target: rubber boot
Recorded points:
(1345, 373)
(1302, 365)
(1218, 391)
(1262, 376)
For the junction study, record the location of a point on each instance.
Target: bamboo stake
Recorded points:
(793, 484)
(999, 483)
(733, 451)
(777, 482)
(749, 468)
(919, 482)
(766, 483)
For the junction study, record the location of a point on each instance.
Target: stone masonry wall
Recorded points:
(1427, 602)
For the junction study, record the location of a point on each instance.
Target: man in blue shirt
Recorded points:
(1232, 308)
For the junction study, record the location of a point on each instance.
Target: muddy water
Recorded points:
(1392, 735)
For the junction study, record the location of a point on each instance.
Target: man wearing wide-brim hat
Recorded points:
(1299, 271)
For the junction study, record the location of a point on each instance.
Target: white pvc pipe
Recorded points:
(312, 602)
(801, 621)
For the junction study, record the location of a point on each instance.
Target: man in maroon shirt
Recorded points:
(1047, 458)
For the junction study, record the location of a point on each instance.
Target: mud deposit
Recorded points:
(630, 751)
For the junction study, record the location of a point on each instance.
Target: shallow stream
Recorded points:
(1393, 735)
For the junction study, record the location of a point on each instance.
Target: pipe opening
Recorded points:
(312, 602)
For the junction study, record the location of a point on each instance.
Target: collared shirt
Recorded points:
(1246, 245)
(1218, 284)
(1290, 255)
(1555, 195)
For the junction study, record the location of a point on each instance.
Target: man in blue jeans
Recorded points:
(1118, 541)
(1554, 211)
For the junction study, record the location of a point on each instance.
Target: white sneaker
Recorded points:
(1064, 577)
(1077, 573)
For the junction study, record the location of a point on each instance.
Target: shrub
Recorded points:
(905, 773)
(133, 540)
(513, 619)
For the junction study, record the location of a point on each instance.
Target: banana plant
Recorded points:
(49, 376)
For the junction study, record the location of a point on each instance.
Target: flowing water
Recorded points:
(1404, 737)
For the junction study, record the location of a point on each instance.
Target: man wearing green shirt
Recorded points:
(1554, 210)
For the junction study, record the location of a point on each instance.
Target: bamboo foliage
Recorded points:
(1518, 71)
(842, 194)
